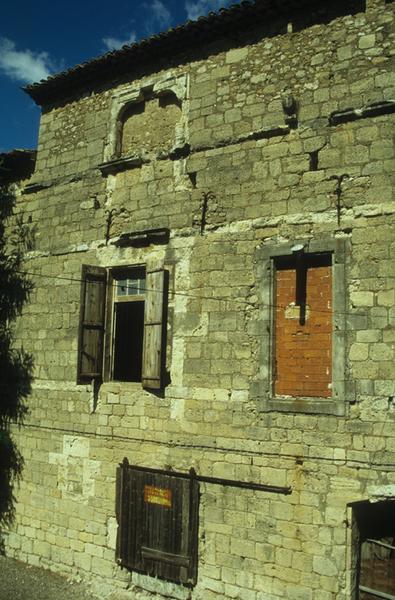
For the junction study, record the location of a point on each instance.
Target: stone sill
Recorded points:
(376, 109)
(142, 238)
(135, 160)
(121, 164)
(307, 405)
(31, 188)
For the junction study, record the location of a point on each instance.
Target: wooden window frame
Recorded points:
(111, 301)
(155, 321)
(261, 389)
(161, 538)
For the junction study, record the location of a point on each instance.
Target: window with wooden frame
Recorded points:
(373, 550)
(122, 325)
(157, 515)
(126, 305)
(302, 327)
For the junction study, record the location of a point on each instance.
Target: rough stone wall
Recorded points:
(149, 126)
(249, 180)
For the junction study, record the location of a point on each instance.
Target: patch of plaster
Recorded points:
(76, 472)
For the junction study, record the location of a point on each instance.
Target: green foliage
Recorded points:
(15, 364)
(11, 463)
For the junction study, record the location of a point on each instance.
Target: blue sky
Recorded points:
(42, 37)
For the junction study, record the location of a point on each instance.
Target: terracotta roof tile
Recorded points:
(169, 41)
(232, 21)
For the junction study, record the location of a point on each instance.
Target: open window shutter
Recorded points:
(91, 330)
(153, 329)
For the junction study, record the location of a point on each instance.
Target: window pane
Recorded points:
(133, 285)
(121, 287)
(136, 286)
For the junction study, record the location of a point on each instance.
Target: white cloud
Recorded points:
(112, 43)
(202, 7)
(160, 14)
(23, 65)
(159, 17)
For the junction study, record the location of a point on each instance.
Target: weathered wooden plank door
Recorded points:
(158, 519)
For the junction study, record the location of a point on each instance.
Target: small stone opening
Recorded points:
(314, 160)
(193, 179)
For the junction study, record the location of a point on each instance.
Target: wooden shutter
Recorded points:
(123, 516)
(153, 329)
(91, 330)
(157, 524)
(129, 509)
(119, 493)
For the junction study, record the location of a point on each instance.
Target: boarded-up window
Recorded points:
(149, 125)
(303, 296)
(129, 341)
(303, 326)
(157, 516)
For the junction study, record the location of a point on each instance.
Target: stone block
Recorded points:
(386, 298)
(359, 352)
(324, 566)
(243, 548)
(381, 352)
(367, 41)
(236, 55)
(362, 298)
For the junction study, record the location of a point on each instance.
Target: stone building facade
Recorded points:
(214, 269)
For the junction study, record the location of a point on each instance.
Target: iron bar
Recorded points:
(249, 485)
(364, 588)
(381, 544)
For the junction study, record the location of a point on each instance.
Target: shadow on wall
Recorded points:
(16, 365)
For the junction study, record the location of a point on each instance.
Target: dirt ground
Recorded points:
(23, 582)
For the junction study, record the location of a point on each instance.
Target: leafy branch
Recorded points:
(16, 365)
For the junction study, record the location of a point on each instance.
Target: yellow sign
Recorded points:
(156, 495)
